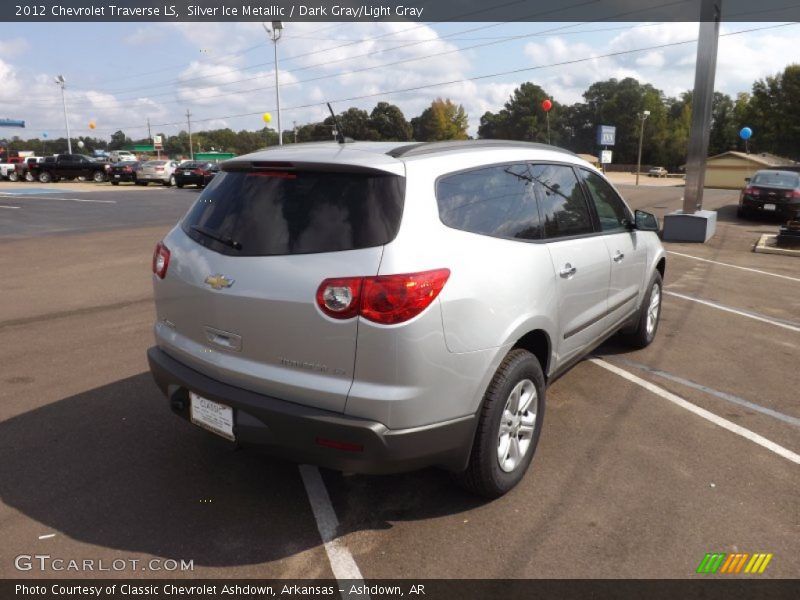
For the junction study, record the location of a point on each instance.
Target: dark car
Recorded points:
(771, 192)
(193, 172)
(123, 171)
(210, 174)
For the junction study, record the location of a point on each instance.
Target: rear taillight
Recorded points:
(161, 260)
(751, 191)
(385, 299)
(793, 194)
(200, 172)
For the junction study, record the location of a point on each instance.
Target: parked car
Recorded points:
(193, 173)
(160, 171)
(67, 166)
(657, 172)
(21, 169)
(383, 307)
(123, 171)
(770, 192)
(121, 156)
(210, 173)
(8, 167)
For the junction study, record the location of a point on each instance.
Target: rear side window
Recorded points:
(498, 201)
(563, 205)
(266, 213)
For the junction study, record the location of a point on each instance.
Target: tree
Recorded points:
(119, 140)
(442, 120)
(523, 118)
(389, 123)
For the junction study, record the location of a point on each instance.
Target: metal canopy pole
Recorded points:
(702, 99)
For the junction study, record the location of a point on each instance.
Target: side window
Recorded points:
(610, 208)
(563, 206)
(497, 201)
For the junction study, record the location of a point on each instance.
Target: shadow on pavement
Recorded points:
(115, 468)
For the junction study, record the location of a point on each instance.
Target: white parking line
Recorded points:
(3, 206)
(701, 412)
(733, 266)
(343, 564)
(47, 537)
(749, 315)
(52, 198)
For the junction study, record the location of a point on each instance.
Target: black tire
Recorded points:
(642, 336)
(742, 213)
(170, 182)
(99, 177)
(12, 176)
(140, 182)
(179, 185)
(115, 183)
(29, 176)
(484, 476)
(45, 177)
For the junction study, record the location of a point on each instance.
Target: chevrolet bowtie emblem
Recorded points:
(219, 281)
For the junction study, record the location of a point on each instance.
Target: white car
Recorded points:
(120, 155)
(160, 171)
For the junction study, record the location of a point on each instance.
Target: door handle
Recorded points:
(618, 256)
(568, 271)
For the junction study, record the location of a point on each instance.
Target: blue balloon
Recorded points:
(44, 135)
(745, 133)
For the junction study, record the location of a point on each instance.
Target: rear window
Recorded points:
(266, 213)
(777, 179)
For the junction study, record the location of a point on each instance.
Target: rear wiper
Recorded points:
(222, 240)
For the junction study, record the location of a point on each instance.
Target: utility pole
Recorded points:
(189, 123)
(294, 124)
(693, 224)
(643, 116)
(149, 134)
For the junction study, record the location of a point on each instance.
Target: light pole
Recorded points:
(275, 35)
(643, 116)
(61, 83)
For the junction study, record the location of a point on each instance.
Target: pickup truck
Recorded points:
(68, 166)
(8, 167)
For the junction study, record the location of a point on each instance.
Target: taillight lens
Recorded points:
(793, 194)
(385, 299)
(750, 191)
(161, 260)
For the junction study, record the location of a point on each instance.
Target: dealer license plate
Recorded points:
(213, 416)
(116, 176)
(769, 207)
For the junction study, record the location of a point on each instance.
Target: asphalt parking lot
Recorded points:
(648, 460)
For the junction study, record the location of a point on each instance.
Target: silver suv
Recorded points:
(382, 307)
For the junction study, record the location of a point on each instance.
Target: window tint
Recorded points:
(610, 208)
(497, 201)
(263, 213)
(776, 178)
(562, 203)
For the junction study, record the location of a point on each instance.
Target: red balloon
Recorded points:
(547, 105)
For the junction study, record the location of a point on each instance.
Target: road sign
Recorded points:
(606, 135)
(11, 123)
(158, 143)
(605, 157)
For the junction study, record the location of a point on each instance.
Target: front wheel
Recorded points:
(99, 177)
(45, 177)
(509, 427)
(649, 316)
(29, 176)
(12, 176)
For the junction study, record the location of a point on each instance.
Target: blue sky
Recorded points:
(119, 74)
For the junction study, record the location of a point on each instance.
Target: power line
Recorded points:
(477, 77)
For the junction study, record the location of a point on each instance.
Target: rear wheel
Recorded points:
(178, 184)
(649, 316)
(45, 177)
(171, 181)
(99, 177)
(115, 183)
(140, 182)
(742, 212)
(12, 176)
(29, 176)
(509, 427)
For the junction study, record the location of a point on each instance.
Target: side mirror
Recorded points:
(747, 180)
(645, 221)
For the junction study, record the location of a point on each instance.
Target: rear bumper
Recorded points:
(786, 209)
(293, 431)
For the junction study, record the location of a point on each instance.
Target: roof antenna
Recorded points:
(339, 133)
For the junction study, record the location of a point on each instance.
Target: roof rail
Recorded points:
(416, 149)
